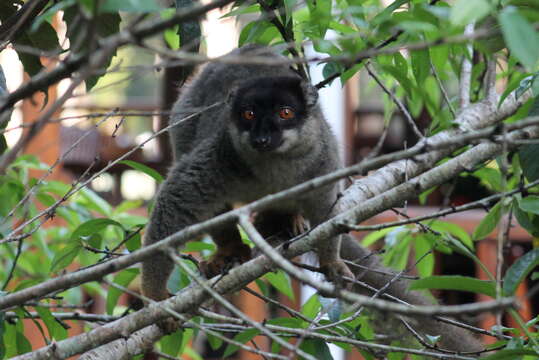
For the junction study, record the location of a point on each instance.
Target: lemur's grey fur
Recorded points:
(216, 166)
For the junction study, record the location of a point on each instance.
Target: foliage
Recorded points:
(88, 230)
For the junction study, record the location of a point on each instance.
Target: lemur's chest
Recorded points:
(269, 179)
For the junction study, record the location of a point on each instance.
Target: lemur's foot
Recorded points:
(224, 259)
(299, 225)
(169, 325)
(336, 271)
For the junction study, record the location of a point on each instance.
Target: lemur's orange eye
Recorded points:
(286, 113)
(248, 114)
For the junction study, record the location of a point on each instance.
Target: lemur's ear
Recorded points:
(310, 93)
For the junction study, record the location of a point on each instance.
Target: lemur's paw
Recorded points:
(169, 325)
(299, 225)
(223, 261)
(336, 272)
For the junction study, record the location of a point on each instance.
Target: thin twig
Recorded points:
(396, 100)
(443, 90)
(220, 299)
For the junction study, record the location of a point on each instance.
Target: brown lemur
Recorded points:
(269, 135)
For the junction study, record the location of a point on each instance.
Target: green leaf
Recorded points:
(530, 204)
(466, 11)
(519, 270)
(318, 348)
(453, 229)
(426, 265)
(145, 169)
(172, 38)
(44, 38)
(215, 342)
(489, 222)
(260, 32)
(55, 187)
(286, 322)
(10, 348)
(513, 84)
(400, 62)
(520, 36)
(342, 28)
(420, 65)
(48, 14)
(123, 279)
(397, 245)
(92, 201)
(320, 15)
(455, 282)
(16, 335)
(525, 85)
(114, 6)
(78, 28)
(385, 14)
(264, 288)
(242, 337)
(528, 161)
(56, 331)
(134, 242)
(533, 321)
(400, 76)
(255, 8)
(45, 199)
(289, 8)
(281, 282)
(347, 75)
(490, 177)
(439, 56)
(127, 205)
(311, 307)
(66, 255)
(23, 345)
(198, 246)
(374, 236)
(524, 219)
(93, 226)
(172, 343)
(332, 68)
(425, 194)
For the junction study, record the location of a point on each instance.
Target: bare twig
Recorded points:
(61, 158)
(49, 210)
(443, 90)
(220, 299)
(397, 102)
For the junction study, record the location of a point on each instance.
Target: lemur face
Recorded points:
(269, 113)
